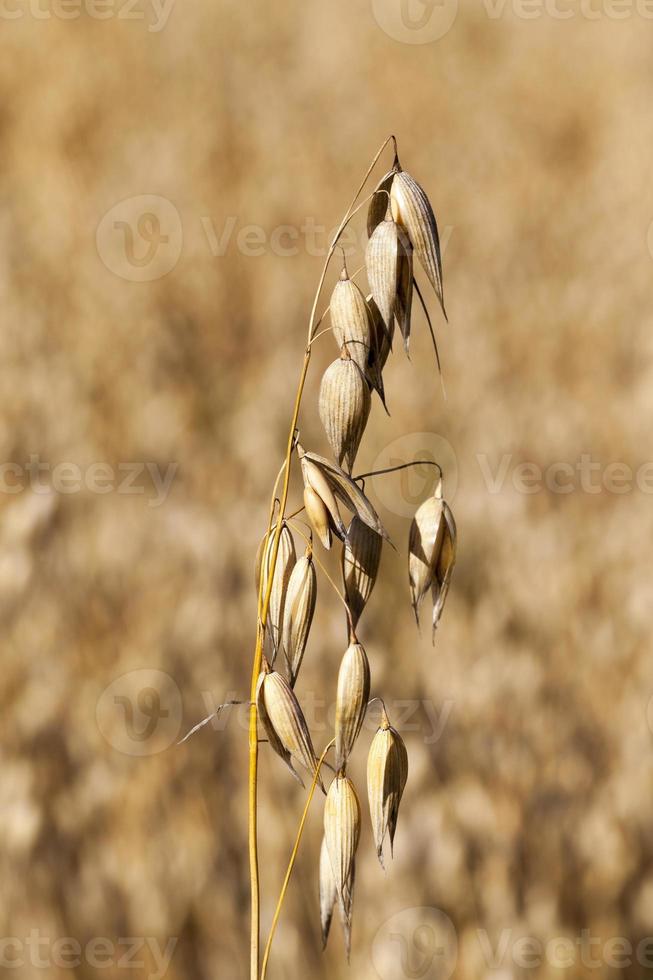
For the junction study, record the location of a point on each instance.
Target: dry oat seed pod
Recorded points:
(275, 742)
(344, 488)
(328, 892)
(412, 210)
(351, 700)
(382, 263)
(298, 612)
(424, 544)
(284, 722)
(315, 478)
(404, 300)
(380, 348)
(285, 562)
(350, 319)
(387, 772)
(361, 556)
(329, 896)
(379, 202)
(317, 515)
(344, 407)
(444, 567)
(342, 827)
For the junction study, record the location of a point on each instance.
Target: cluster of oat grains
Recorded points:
(400, 224)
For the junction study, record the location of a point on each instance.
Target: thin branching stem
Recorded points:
(403, 466)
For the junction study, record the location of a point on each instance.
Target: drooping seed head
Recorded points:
(284, 722)
(317, 515)
(350, 319)
(342, 826)
(361, 556)
(424, 544)
(344, 407)
(351, 700)
(412, 210)
(298, 612)
(387, 772)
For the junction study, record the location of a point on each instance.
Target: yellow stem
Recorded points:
(291, 863)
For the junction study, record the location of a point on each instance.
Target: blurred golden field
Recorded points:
(139, 329)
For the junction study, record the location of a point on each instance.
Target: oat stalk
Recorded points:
(264, 598)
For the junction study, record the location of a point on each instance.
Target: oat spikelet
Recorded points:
(361, 556)
(404, 299)
(344, 407)
(317, 515)
(350, 319)
(284, 722)
(444, 566)
(387, 772)
(342, 825)
(315, 478)
(328, 892)
(379, 203)
(339, 485)
(382, 265)
(424, 544)
(351, 700)
(298, 612)
(412, 210)
(285, 561)
(432, 553)
(381, 345)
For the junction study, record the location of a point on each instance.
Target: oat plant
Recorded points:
(401, 228)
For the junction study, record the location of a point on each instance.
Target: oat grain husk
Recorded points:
(344, 407)
(352, 696)
(284, 722)
(350, 319)
(301, 597)
(387, 772)
(412, 210)
(361, 557)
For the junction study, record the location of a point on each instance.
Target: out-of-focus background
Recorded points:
(168, 176)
